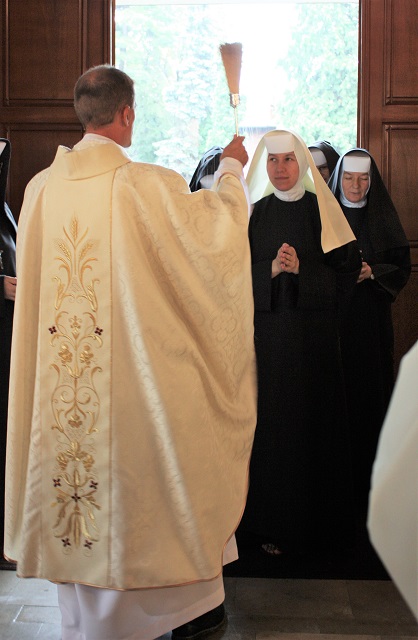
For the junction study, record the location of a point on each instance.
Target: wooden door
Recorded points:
(388, 128)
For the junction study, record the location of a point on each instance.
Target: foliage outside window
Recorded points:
(299, 71)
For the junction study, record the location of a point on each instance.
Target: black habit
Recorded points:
(300, 485)
(367, 338)
(7, 268)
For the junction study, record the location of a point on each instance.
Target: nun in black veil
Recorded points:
(8, 231)
(325, 157)
(203, 175)
(367, 336)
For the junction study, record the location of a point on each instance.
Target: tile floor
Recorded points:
(258, 609)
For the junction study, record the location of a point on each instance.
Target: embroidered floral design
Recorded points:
(76, 263)
(65, 354)
(86, 355)
(75, 324)
(76, 340)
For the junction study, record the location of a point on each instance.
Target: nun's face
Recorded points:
(355, 185)
(283, 170)
(324, 171)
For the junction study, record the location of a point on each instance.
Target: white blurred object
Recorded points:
(393, 502)
(207, 181)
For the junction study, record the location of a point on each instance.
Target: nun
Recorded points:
(325, 157)
(8, 281)
(367, 336)
(305, 262)
(203, 177)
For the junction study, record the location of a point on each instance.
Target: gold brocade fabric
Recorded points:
(133, 401)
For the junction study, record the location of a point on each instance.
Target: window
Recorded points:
(299, 70)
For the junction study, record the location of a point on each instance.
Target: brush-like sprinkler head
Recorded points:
(231, 54)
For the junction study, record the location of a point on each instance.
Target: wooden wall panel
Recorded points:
(42, 64)
(34, 148)
(401, 50)
(405, 318)
(400, 144)
(388, 128)
(388, 87)
(45, 46)
(400, 172)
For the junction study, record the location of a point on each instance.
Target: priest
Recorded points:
(132, 406)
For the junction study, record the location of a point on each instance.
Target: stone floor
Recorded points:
(258, 609)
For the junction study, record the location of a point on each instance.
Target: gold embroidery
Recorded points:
(76, 339)
(75, 262)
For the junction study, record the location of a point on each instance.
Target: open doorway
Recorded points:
(299, 70)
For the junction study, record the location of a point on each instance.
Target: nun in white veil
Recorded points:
(304, 263)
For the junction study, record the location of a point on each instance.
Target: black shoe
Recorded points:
(5, 565)
(199, 627)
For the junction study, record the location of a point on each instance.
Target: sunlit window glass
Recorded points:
(299, 70)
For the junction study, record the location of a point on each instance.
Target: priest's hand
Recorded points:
(235, 149)
(10, 287)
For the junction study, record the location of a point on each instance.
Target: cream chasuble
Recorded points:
(133, 399)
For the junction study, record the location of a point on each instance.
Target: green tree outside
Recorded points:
(172, 52)
(322, 67)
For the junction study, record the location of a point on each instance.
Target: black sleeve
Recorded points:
(2, 298)
(391, 270)
(261, 270)
(346, 261)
